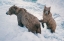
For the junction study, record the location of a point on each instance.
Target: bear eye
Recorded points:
(11, 10)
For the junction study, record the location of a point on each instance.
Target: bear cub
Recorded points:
(48, 19)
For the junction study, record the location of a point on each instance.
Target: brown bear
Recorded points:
(25, 19)
(48, 19)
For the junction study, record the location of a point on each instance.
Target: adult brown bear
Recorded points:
(25, 19)
(48, 19)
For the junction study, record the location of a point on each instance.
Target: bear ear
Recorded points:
(15, 7)
(49, 7)
(24, 10)
(45, 6)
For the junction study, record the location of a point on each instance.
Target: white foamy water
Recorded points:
(10, 31)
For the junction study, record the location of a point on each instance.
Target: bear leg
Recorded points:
(48, 26)
(20, 24)
(29, 30)
(38, 30)
(43, 25)
(42, 22)
(52, 30)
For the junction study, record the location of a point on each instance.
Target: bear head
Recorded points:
(15, 10)
(47, 10)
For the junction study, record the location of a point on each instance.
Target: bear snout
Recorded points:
(7, 13)
(46, 12)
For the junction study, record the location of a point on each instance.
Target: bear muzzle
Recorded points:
(46, 12)
(7, 13)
